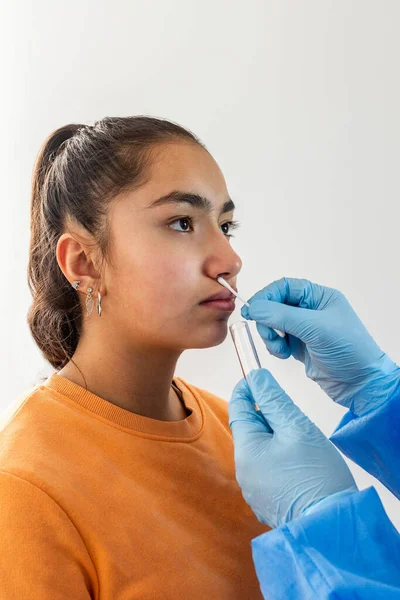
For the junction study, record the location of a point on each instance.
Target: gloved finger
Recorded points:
(275, 345)
(244, 419)
(293, 292)
(275, 405)
(295, 321)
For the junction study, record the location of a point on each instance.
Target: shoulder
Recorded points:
(21, 428)
(10, 414)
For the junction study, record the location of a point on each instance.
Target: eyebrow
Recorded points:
(195, 200)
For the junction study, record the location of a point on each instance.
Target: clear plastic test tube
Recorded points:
(245, 348)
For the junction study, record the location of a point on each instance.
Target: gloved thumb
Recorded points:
(243, 416)
(290, 319)
(275, 405)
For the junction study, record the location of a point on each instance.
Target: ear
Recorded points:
(76, 257)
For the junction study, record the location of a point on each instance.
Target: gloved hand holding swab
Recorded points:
(222, 281)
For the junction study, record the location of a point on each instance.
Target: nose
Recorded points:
(221, 259)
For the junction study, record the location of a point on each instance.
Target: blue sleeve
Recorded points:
(347, 550)
(373, 441)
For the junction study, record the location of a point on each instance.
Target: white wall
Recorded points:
(297, 100)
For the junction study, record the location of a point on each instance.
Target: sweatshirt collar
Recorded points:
(185, 430)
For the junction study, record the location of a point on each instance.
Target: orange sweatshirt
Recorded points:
(98, 502)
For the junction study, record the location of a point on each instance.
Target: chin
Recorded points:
(210, 336)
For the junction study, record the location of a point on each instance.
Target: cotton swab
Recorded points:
(225, 284)
(222, 281)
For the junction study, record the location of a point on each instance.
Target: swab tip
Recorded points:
(222, 281)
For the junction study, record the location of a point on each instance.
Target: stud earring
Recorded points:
(99, 304)
(89, 302)
(75, 284)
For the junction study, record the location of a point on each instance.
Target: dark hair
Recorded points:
(79, 170)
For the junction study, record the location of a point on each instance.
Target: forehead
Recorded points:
(175, 170)
(183, 166)
(181, 159)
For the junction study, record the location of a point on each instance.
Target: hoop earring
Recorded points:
(99, 304)
(89, 302)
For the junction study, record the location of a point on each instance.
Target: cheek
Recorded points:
(174, 277)
(167, 282)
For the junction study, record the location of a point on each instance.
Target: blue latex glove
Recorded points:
(327, 336)
(285, 465)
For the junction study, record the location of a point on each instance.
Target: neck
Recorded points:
(136, 379)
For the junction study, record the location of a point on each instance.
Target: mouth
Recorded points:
(224, 301)
(222, 295)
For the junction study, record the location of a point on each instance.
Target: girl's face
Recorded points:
(168, 256)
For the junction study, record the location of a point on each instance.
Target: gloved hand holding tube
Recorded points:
(284, 464)
(327, 336)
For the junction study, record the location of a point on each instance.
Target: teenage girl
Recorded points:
(117, 478)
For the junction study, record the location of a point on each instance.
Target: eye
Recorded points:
(184, 221)
(231, 225)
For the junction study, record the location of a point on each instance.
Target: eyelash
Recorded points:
(232, 225)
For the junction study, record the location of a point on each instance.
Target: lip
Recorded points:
(223, 295)
(226, 305)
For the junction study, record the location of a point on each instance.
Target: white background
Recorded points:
(298, 101)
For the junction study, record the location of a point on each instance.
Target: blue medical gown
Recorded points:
(350, 549)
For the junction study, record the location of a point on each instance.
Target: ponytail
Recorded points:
(54, 317)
